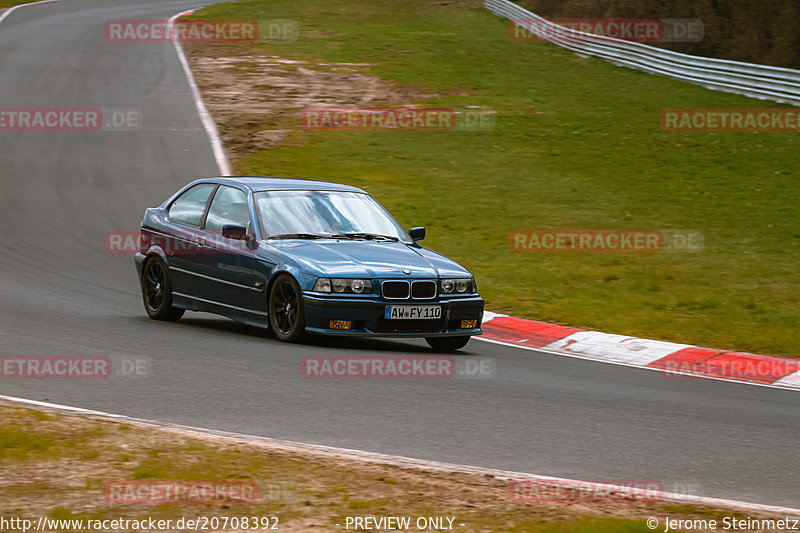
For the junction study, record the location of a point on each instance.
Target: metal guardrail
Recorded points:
(750, 79)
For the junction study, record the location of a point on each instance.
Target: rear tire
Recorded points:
(157, 291)
(287, 318)
(447, 344)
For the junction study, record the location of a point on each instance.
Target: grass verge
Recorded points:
(577, 145)
(59, 466)
(4, 4)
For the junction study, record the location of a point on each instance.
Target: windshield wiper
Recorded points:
(298, 236)
(368, 236)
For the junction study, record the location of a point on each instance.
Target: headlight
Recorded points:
(461, 285)
(322, 285)
(342, 285)
(358, 285)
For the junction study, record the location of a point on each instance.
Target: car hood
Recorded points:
(374, 259)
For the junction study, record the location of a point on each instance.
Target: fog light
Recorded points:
(469, 324)
(340, 324)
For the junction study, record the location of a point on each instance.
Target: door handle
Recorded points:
(201, 241)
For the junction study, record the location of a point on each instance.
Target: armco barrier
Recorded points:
(758, 81)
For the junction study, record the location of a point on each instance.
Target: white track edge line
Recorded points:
(10, 10)
(373, 457)
(205, 116)
(633, 365)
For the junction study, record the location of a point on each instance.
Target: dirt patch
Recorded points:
(256, 99)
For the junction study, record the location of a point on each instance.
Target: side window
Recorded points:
(229, 207)
(190, 206)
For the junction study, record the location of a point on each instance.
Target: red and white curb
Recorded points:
(675, 360)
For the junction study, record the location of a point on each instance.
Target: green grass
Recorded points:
(11, 3)
(22, 443)
(17, 443)
(577, 144)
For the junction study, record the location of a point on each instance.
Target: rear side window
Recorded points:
(229, 207)
(191, 205)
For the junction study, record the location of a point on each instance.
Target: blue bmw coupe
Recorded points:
(301, 256)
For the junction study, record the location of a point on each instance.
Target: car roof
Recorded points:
(276, 183)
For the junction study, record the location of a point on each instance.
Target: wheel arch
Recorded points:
(153, 251)
(277, 274)
(289, 265)
(156, 251)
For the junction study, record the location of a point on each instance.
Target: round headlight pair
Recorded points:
(449, 286)
(357, 286)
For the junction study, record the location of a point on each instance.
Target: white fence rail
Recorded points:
(758, 81)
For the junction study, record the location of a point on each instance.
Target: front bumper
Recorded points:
(367, 317)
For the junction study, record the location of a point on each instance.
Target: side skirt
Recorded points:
(245, 316)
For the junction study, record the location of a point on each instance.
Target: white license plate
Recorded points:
(413, 312)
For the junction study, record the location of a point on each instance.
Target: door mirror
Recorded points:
(238, 233)
(417, 234)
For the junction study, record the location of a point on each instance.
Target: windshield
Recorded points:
(324, 213)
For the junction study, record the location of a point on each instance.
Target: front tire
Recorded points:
(157, 291)
(447, 344)
(287, 317)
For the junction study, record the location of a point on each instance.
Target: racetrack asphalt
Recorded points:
(61, 293)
